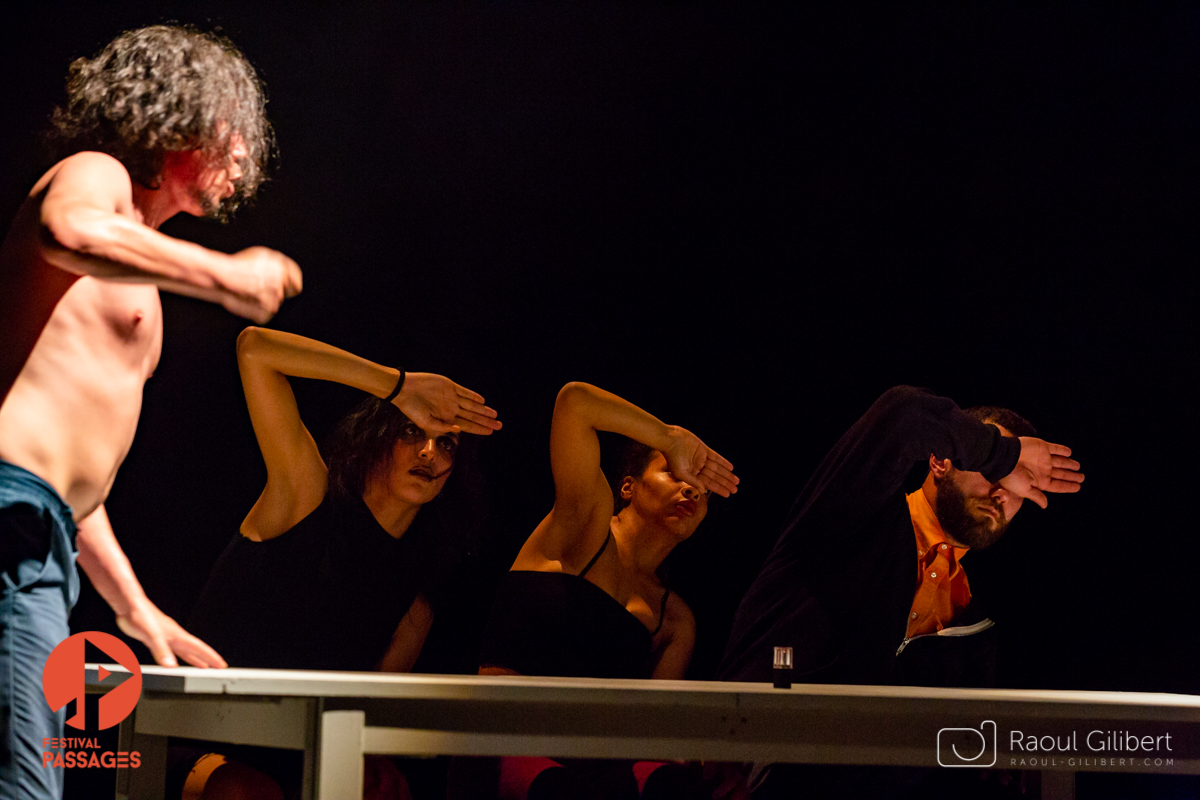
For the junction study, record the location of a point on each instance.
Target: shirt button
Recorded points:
(914, 615)
(943, 547)
(933, 574)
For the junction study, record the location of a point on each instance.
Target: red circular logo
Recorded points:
(63, 680)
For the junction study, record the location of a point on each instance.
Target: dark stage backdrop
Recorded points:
(750, 221)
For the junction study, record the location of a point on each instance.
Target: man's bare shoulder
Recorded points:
(85, 180)
(85, 176)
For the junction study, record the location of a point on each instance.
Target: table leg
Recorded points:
(124, 743)
(147, 782)
(340, 755)
(312, 738)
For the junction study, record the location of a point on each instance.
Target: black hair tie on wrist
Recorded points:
(396, 391)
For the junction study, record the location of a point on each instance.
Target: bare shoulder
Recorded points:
(562, 543)
(87, 175)
(89, 179)
(92, 162)
(90, 166)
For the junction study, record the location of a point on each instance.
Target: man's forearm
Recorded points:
(110, 572)
(83, 231)
(105, 563)
(90, 241)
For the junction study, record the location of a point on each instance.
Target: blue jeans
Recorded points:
(39, 585)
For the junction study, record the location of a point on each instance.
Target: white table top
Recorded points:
(304, 683)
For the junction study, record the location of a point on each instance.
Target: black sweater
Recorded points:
(839, 584)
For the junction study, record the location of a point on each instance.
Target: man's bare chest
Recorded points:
(117, 326)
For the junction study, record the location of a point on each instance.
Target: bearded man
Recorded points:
(163, 120)
(868, 561)
(867, 567)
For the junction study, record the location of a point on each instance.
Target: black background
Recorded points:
(749, 221)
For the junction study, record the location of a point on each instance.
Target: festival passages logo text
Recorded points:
(63, 684)
(979, 747)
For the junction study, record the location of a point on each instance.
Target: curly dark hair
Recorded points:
(362, 443)
(166, 88)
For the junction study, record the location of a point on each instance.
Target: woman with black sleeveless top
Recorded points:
(335, 563)
(583, 597)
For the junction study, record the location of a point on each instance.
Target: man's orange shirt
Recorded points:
(942, 589)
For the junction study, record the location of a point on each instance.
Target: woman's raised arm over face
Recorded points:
(296, 474)
(583, 501)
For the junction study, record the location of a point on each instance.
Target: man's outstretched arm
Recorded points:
(88, 227)
(110, 572)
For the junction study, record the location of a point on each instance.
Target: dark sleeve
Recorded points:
(871, 461)
(838, 586)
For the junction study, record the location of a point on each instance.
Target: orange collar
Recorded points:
(929, 531)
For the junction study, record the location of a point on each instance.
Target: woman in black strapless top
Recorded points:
(583, 598)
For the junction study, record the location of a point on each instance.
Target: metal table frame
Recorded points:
(337, 717)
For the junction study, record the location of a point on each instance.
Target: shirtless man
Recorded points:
(163, 120)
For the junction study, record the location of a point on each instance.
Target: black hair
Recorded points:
(166, 88)
(632, 460)
(1014, 422)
